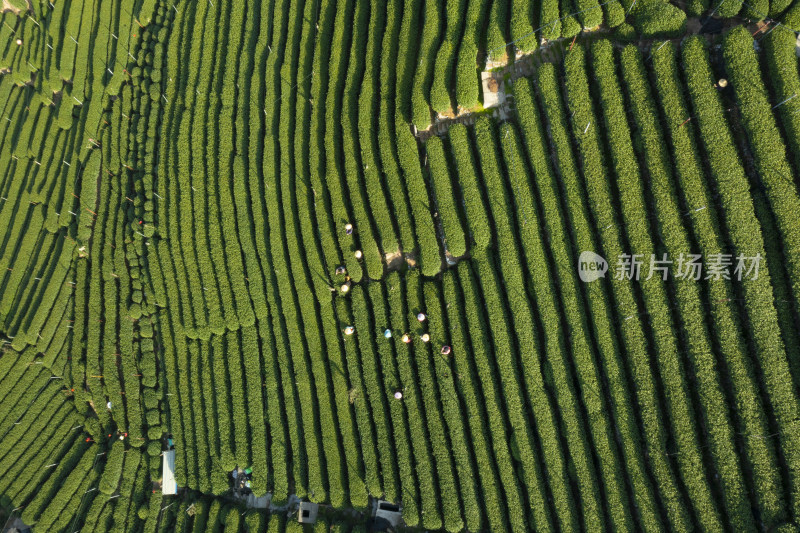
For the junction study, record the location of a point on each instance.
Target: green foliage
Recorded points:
(174, 189)
(423, 77)
(728, 9)
(780, 46)
(791, 19)
(397, 197)
(633, 211)
(656, 18)
(466, 74)
(113, 469)
(147, 10)
(589, 13)
(429, 259)
(706, 226)
(587, 137)
(549, 17)
(768, 148)
(408, 52)
(714, 415)
(467, 176)
(452, 415)
(614, 14)
(447, 56)
(488, 434)
(354, 166)
(518, 316)
(497, 30)
(445, 199)
(372, 442)
(376, 355)
(369, 137)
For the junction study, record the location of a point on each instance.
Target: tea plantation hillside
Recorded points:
(496, 265)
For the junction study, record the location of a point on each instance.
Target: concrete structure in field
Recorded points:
(307, 513)
(494, 95)
(16, 526)
(168, 484)
(385, 515)
(258, 502)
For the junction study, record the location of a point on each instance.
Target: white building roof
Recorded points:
(168, 484)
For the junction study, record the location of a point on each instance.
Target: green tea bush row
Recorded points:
(326, 226)
(745, 235)
(445, 199)
(713, 403)
(383, 353)
(632, 330)
(634, 214)
(466, 75)
(570, 395)
(369, 102)
(431, 35)
(373, 392)
(429, 258)
(768, 149)
(413, 379)
(539, 273)
(484, 429)
(578, 317)
(373, 444)
(354, 163)
(398, 199)
(447, 56)
(784, 83)
(444, 379)
(531, 392)
(466, 172)
(729, 332)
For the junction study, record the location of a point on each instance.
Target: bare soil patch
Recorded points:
(394, 260)
(7, 6)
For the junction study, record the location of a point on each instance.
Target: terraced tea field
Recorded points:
(288, 237)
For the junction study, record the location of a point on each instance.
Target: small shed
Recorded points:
(17, 526)
(386, 515)
(168, 484)
(307, 513)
